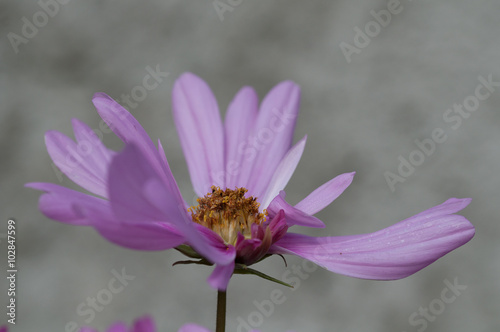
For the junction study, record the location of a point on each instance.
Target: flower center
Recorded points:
(228, 212)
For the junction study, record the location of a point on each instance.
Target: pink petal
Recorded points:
(200, 130)
(293, 215)
(240, 118)
(150, 236)
(84, 163)
(278, 226)
(76, 208)
(63, 204)
(191, 327)
(225, 252)
(326, 194)
(283, 172)
(272, 135)
(171, 183)
(219, 279)
(144, 324)
(137, 194)
(129, 174)
(118, 327)
(128, 129)
(97, 154)
(392, 253)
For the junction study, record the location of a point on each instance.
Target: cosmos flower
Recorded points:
(146, 324)
(143, 324)
(239, 170)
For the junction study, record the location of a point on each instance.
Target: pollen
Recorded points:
(228, 212)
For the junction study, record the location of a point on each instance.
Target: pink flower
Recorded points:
(239, 169)
(146, 324)
(143, 324)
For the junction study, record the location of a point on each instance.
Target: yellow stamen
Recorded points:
(228, 212)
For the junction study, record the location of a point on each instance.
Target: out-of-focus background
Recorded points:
(372, 86)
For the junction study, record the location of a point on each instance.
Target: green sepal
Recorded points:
(202, 261)
(269, 255)
(188, 251)
(243, 269)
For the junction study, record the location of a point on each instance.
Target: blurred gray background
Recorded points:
(360, 115)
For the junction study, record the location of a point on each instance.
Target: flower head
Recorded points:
(146, 324)
(239, 170)
(143, 324)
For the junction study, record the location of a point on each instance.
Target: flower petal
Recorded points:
(283, 172)
(278, 226)
(293, 215)
(92, 148)
(171, 183)
(85, 162)
(151, 236)
(191, 327)
(144, 324)
(61, 204)
(129, 173)
(137, 194)
(271, 137)
(128, 129)
(326, 194)
(118, 327)
(200, 130)
(392, 253)
(73, 207)
(83, 329)
(240, 119)
(219, 279)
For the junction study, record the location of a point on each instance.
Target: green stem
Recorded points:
(220, 325)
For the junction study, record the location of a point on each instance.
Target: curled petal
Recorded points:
(219, 279)
(200, 130)
(392, 253)
(293, 215)
(250, 251)
(278, 226)
(326, 194)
